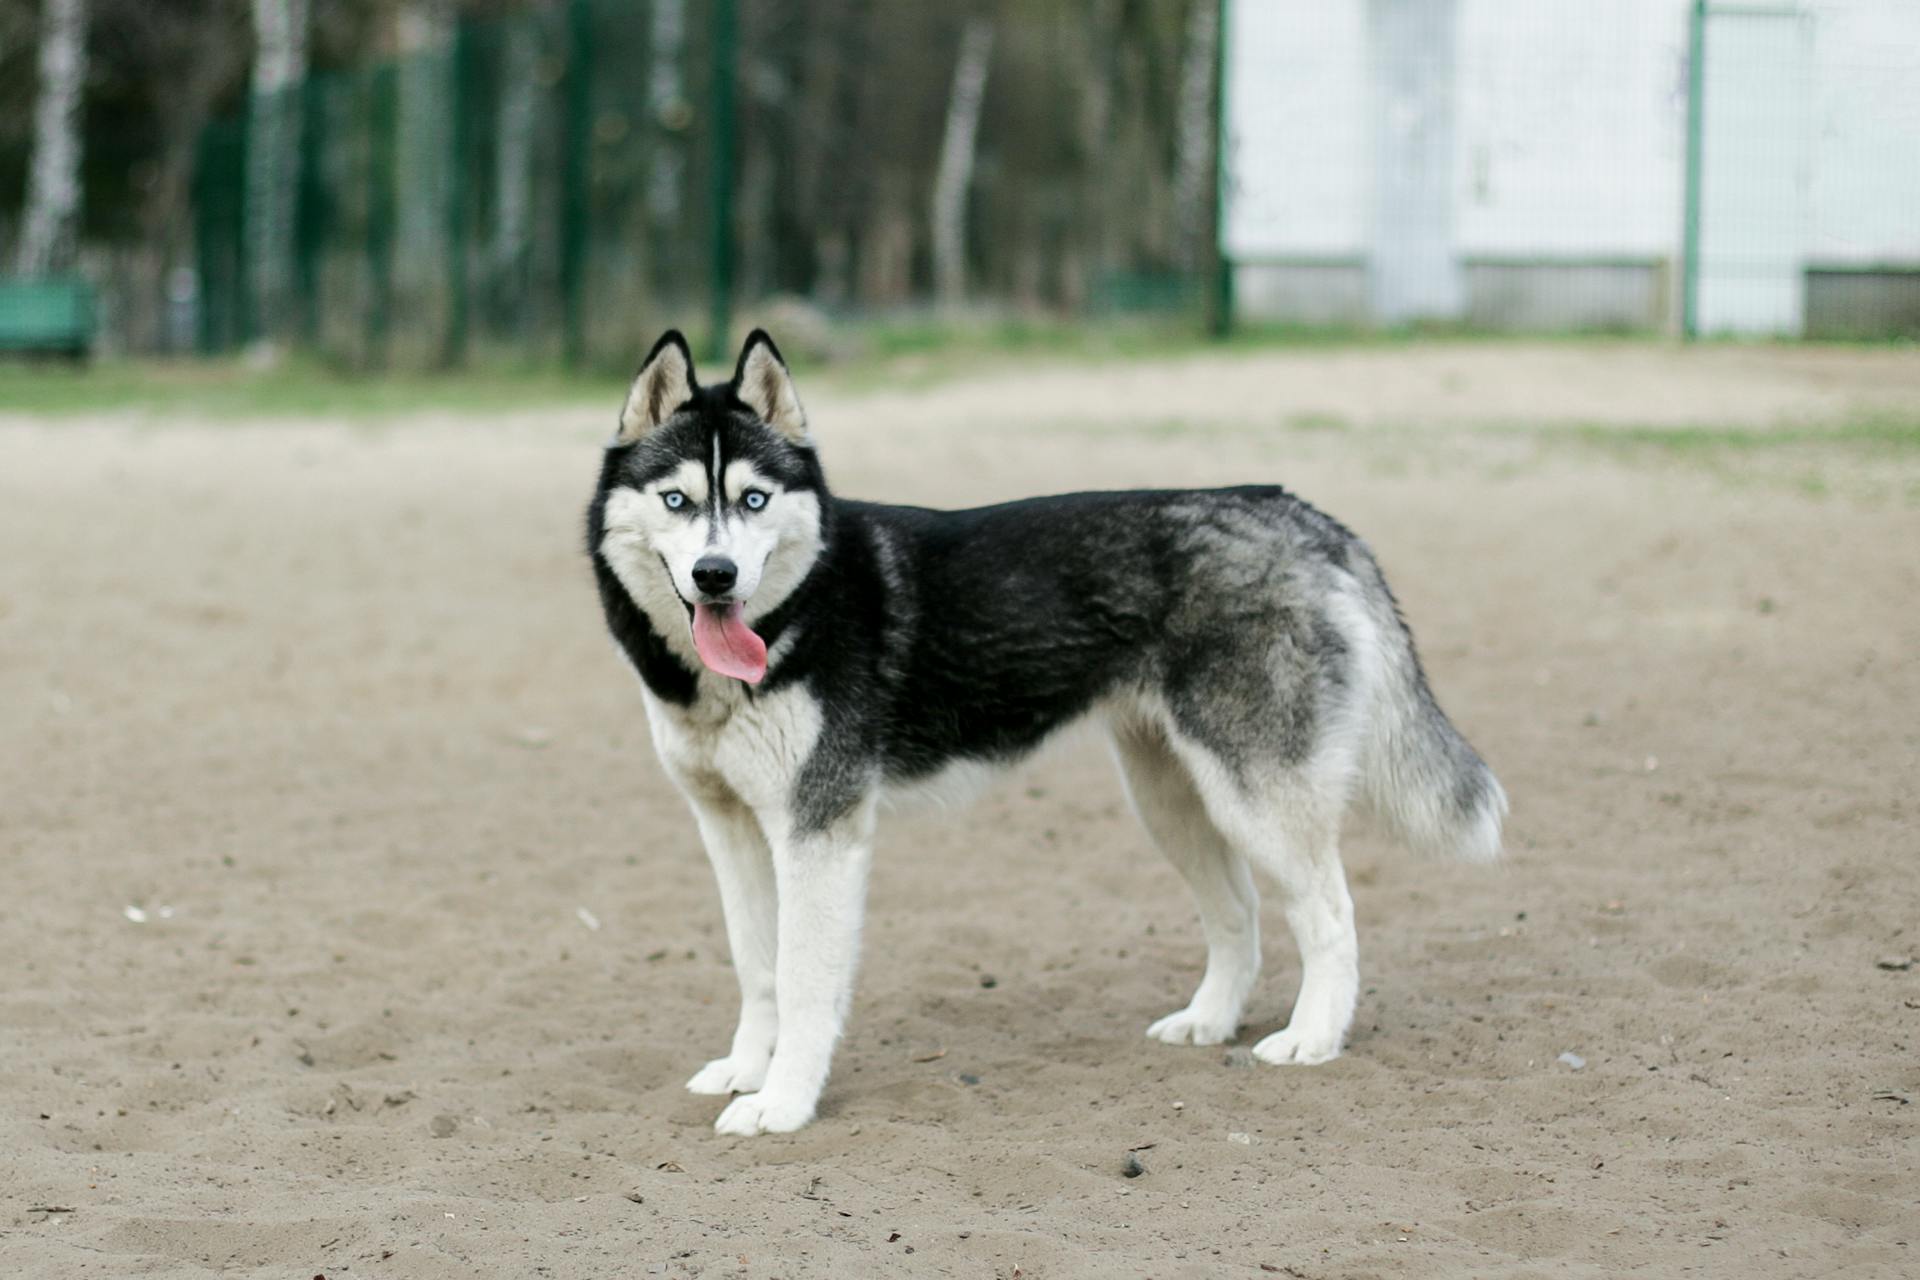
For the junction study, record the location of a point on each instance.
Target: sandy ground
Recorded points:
(331, 705)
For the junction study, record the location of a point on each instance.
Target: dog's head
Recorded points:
(710, 503)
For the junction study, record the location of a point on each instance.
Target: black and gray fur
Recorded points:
(1241, 647)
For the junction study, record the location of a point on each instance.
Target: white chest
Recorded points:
(753, 747)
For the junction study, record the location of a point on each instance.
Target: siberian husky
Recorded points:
(801, 655)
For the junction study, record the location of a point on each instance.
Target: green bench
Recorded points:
(50, 316)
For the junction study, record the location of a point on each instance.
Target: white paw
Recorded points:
(727, 1075)
(1300, 1048)
(760, 1113)
(1194, 1027)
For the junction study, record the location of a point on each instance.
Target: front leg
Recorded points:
(743, 866)
(822, 878)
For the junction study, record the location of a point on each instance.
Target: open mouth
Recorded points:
(722, 638)
(726, 644)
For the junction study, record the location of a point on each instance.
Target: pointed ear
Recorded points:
(763, 384)
(664, 383)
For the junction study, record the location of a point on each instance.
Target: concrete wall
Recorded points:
(1331, 293)
(1863, 304)
(1568, 297)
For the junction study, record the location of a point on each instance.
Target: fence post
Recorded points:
(722, 178)
(383, 120)
(1690, 230)
(1220, 283)
(460, 131)
(208, 207)
(310, 211)
(574, 178)
(245, 316)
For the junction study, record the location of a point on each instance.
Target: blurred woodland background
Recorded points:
(428, 174)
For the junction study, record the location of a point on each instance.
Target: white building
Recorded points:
(1522, 163)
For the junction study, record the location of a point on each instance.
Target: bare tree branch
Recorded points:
(49, 225)
(273, 154)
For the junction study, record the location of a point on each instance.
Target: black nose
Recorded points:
(714, 574)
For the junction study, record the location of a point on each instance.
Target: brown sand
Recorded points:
(332, 705)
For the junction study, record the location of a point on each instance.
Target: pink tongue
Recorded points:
(726, 644)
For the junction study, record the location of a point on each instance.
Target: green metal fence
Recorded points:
(563, 183)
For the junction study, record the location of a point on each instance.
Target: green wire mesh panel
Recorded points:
(554, 184)
(219, 204)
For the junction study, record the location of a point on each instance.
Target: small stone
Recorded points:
(636, 1197)
(988, 981)
(1238, 1056)
(1241, 1139)
(1896, 964)
(443, 1126)
(1131, 1166)
(1573, 1060)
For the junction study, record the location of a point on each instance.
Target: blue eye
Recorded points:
(674, 499)
(754, 499)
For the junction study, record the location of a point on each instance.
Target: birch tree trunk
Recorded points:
(48, 227)
(513, 170)
(667, 100)
(1193, 169)
(955, 175)
(273, 161)
(422, 177)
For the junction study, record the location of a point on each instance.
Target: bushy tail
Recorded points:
(1419, 773)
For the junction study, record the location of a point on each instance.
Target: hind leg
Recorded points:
(1290, 829)
(1170, 807)
(1320, 914)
